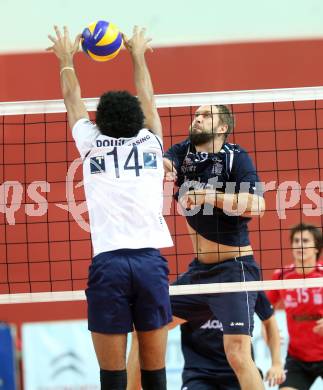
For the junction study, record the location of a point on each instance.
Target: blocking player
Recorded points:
(123, 178)
(304, 309)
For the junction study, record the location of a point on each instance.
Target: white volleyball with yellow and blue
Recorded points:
(101, 40)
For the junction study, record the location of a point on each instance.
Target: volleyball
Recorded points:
(101, 40)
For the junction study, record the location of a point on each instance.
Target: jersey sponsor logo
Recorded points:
(212, 324)
(97, 164)
(237, 324)
(150, 160)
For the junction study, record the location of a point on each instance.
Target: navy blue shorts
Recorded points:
(195, 380)
(234, 310)
(126, 288)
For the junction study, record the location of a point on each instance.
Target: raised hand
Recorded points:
(138, 44)
(62, 46)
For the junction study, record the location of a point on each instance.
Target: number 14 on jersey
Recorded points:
(132, 162)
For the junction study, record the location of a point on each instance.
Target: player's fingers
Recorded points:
(51, 38)
(125, 40)
(148, 40)
(50, 48)
(58, 33)
(281, 378)
(135, 30)
(66, 33)
(76, 44)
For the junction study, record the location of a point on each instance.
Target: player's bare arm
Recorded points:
(65, 49)
(275, 375)
(137, 45)
(318, 328)
(243, 204)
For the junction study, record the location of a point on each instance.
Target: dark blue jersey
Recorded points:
(202, 344)
(231, 171)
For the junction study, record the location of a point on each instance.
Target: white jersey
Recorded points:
(123, 182)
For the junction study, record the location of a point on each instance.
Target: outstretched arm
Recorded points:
(64, 49)
(137, 46)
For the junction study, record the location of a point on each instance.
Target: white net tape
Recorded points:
(178, 100)
(211, 288)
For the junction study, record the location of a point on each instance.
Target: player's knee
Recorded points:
(113, 380)
(236, 360)
(153, 380)
(238, 353)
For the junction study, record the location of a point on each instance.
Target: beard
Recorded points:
(201, 138)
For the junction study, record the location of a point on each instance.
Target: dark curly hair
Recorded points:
(119, 115)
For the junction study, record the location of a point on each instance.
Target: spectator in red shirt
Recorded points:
(304, 309)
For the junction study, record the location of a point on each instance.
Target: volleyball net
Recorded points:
(45, 247)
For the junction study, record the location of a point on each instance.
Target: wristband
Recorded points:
(66, 68)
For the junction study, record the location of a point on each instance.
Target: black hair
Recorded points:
(316, 233)
(119, 115)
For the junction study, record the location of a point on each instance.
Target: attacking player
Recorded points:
(123, 181)
(219, 190)
(304, 309)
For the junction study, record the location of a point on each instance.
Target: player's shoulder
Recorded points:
(235, 150)
(285, 272)
(319, 267)
(229, 147)
(181, 148)
(83, 122)
(185, 144)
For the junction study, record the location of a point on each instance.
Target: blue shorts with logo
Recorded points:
(126, 288)
(234, 310)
